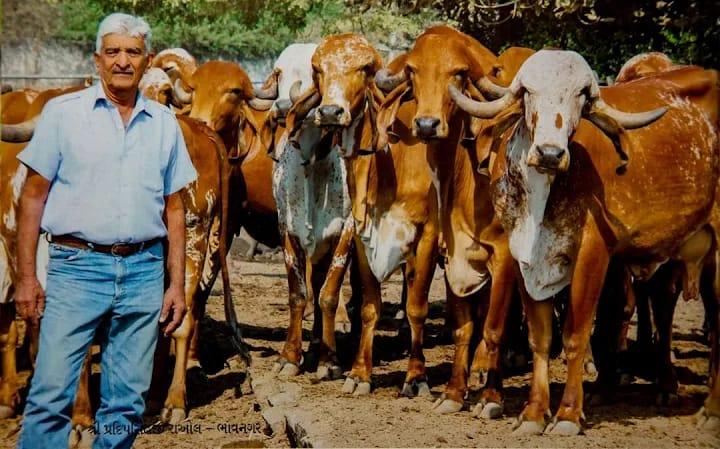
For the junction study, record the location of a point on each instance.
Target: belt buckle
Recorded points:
(114, 247)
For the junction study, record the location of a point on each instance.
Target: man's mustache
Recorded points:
(123, 72)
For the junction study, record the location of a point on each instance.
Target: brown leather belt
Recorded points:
(116, 249)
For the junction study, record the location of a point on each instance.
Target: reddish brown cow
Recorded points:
(474, 249)
(15, 105)
(569, 205)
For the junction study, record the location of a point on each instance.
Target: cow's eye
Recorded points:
(236, 91)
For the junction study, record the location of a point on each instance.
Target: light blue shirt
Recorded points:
(108, 182)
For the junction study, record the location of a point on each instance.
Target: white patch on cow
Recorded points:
(6, 281)
(313, 200)
(209, 269)
(156, 78)
(387, 241)
(16, 184)
(180, 53)
(463, 278)
(295, 63)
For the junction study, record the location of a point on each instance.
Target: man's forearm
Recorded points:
(175, 222)
(30, 210)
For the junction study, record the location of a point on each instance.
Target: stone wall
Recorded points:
(58, 58)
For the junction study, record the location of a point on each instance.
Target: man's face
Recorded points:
(122, 61)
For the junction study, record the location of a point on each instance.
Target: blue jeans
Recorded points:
(119, 298)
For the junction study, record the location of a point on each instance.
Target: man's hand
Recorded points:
(174, 300)
(30, 299)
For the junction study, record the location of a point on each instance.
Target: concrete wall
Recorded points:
(57, 58)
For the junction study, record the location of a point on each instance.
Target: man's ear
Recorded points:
(150, 58)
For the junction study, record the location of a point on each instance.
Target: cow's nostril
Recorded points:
(550, 151)
(331, 110)
(427, 123)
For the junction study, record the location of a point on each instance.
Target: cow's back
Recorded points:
(669, 183)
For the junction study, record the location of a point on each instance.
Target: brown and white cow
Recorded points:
(474, 247)
(15, 104)
(312, 191)
(179, 65)
(568, 205)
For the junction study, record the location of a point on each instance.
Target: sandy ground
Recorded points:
(383, 419)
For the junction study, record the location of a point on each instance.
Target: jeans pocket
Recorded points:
(156, 252)
(65, 253)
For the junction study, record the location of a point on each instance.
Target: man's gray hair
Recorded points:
(124, 24)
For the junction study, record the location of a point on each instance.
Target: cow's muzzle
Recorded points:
(549, 158)
(331, 115)
(426, 127)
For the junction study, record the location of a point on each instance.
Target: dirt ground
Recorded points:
(382, 419)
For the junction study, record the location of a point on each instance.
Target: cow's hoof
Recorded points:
(665, 398)
(590, 368)
(417, 387)
(6, 412)
(355, 387)
(522, 427)
(328, 371)
(445, 406)
(706, 422)
(81, 438)
(285, 369)
(488, 410)
(563, 428)
(172, 416)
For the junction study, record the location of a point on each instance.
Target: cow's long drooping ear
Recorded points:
(388, 112)
(258, 131)
(300, 109)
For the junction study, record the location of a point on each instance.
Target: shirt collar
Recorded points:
(98, 95)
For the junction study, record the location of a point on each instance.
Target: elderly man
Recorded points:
(105, 167)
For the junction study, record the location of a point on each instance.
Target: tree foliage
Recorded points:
(606, 32)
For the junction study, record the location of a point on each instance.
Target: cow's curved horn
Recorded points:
(180, 93)
(259, 104)
(386, 81)
(628, 120)
(486, 86)
(269, 89)
(481, 109)
(304, 108)
(295, 92)
(20, 132)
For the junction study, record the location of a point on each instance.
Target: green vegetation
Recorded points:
(606, 32)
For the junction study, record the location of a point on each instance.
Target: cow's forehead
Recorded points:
(155, 77)
(552, 70)
(437, 52)
(343, 52)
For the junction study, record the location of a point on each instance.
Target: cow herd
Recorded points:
(521, 176)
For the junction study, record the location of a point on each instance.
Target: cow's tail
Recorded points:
(230, 317)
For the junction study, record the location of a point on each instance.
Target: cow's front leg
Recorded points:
(419, 272)
(708, 418)
(452, 399)
(288, 364)
(587, 283)
(81, 433)
(487, 361)
(358, 381)
(9, 396)
(329, 366)
(539, 319)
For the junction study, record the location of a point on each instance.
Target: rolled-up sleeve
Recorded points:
(180, 170)
(43, 154)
